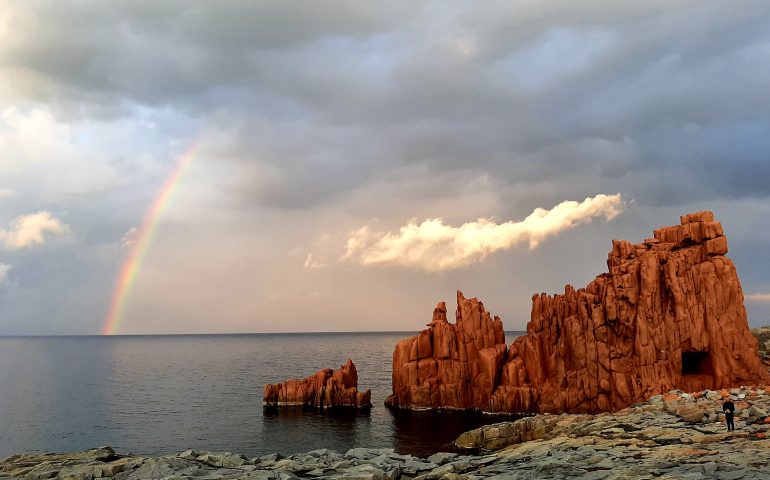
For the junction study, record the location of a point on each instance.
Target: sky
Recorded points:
(284, 166)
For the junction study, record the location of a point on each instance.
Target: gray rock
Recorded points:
(441, 457)
(45, 474)
(734, 474)
(412, 467)
(341, 464)
(708, 468)
(321, 452)
(366, 453)
(485, 460)
(363, 472)
(284, 475)
(596, 475)
(188, 454)
(753, 413)
(393, 474)
(712, 395)
(152, 470)
(259, 475)
(267, 459)
(399, 457)
(607, 464)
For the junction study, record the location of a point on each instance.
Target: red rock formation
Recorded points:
(326, 389)
(450, 365)
(669, 314)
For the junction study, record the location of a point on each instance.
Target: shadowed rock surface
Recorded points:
(450, 365)
(668, 314)
(325, 389)
(763, 338)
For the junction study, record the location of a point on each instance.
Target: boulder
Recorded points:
(501, 435)
(690, 413)
(668, 314)
(326, 389)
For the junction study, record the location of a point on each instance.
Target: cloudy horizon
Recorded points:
(352, 165)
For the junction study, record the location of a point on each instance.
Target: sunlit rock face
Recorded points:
(668, 314)
(450, 365)
(327, 388)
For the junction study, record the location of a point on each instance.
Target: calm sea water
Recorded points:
(165, 394)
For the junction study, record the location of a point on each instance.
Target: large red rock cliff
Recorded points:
(326, 389)
(668, 314)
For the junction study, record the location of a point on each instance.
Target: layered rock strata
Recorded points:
(668, 314)
(327, 388)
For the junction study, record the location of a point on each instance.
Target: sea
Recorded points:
(163, 394)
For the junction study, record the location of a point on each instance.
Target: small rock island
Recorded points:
(325, 389)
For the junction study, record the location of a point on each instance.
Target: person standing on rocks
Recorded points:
(729, 408)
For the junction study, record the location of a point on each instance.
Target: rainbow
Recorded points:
(141, 244)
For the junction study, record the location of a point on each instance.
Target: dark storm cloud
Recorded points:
(171, 52)
(525, 91)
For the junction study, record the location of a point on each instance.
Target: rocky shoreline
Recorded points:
(673, 436)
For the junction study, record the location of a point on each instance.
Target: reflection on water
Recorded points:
(286, 428)
(423, 433)
(418, 433)
(165, 394)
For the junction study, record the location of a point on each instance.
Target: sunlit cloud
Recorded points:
(434, 246)
(6, 192)
(312, 263)
(758, 297)
(30, 230)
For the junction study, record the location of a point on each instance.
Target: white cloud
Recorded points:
(129, 237)
(758, 297)
(4, 268)
(433, 246)
(6, 192)
(28, 230)
(311, 263)
(56, 158)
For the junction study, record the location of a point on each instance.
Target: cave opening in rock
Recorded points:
(697, 363)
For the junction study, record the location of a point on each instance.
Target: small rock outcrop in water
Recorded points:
(326, 389)
(668, 314)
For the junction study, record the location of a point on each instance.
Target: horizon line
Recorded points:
(325, 332)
